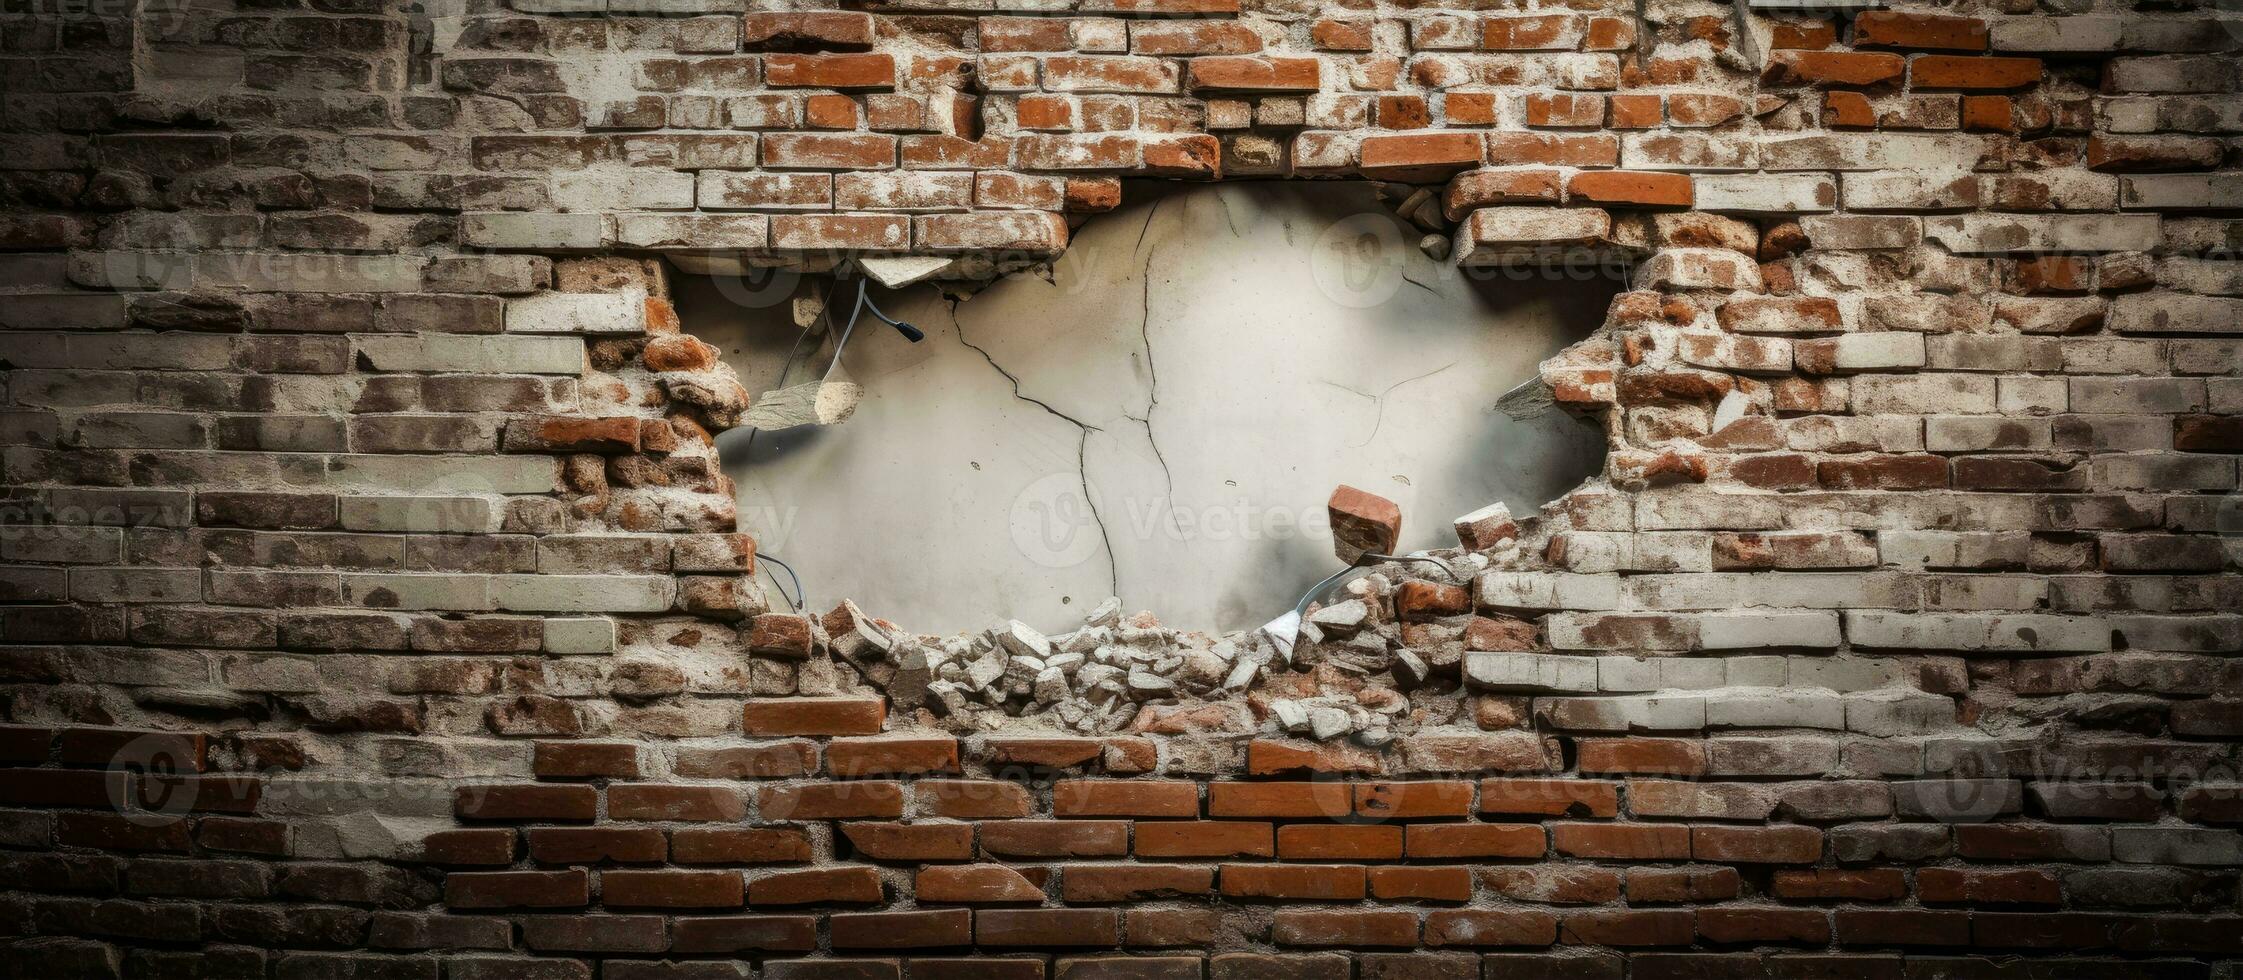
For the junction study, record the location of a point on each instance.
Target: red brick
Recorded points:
(1564, 110)
(1757, 845)
(1649, 886)
(1848, 110)
(1911, 472)
(585, 760)
(1421, 884)
(1219, 838)
(1475, 841)
(973, 884)
(1900, 927)
(814, 716)
(1108, 73)
(1989, 114)
(818, 886)
(594, 933)
(115, 832)
(1124, 798)
(1764, 925)
(2208, 434)
(902, 930)
(911, 842)
(1317, 882)
(517, 889)
(1632, 841)
(1703, 111)
(1133, 882)
(1416, 599)
(271, 838)
(829, 801)
(1637, 111)
(1194, 37)
(1469, 108)
(1649, 189)
(132, 748)
(853, 71)
(1632, 927)
(592, 845)
(1043, 753)
(1403, 112)
(891, 756)
(1255, 74)
(1554, 884)
(1329, 801)
(1419, 157)
(22, 744)
(826, 151)
(806, 31)
(456, 847)
(1056, 838)
(1834, 884)
(1491, 927)
(1950, 886)
(1305, 927)
(1810, 35)
(1854, 68)
(1930, 32)
(525, 802)
(698, 803)
(761, 932)
(1944, 71)
(972, 799)
(1550, 797)
(670, 889)
(1556, 149)
(1550, 32)
(1643, 756)
(1343, 842)
(2027, 842)
(1092, 195)
(1414, 800)
(738, 845)
(1167, 928)
(1269, 757)
(1331, 34)
(1047, 927)
(774, 761)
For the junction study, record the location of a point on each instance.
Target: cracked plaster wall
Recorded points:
(1159, 420)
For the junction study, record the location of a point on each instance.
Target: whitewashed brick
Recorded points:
(583, 593)
(1748, 631)
(1966, 632)
(2000, 234)
(578, 313)
(1530, 672)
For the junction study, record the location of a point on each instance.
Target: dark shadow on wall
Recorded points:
(1161, 417)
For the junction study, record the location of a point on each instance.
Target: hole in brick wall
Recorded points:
(1161, 419)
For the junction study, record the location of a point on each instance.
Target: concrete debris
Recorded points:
(1354, 668)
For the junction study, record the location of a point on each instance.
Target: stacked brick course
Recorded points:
(374, 607)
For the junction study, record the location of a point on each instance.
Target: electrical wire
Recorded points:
(1368, 559)
(800, 600)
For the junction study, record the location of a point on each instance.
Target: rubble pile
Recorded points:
(1339, 670)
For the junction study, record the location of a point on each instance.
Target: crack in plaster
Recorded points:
(1082, 448)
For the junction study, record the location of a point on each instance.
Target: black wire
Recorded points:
(800, 600)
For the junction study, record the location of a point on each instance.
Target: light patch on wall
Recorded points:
(1162, 420)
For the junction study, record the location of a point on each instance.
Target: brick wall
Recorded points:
(373, 605)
